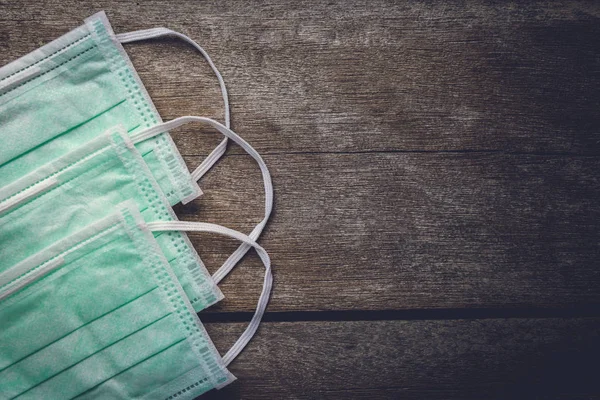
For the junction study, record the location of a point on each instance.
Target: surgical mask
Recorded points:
(73, 89)
(100, 314)
(74, 190)
(83, 186)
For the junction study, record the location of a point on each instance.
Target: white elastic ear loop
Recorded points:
(239, 253)
(243, 340)
(145, 34)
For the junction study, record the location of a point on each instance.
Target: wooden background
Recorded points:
(436, 231)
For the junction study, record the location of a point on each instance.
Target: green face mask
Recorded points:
(83, 186)
(100, 315)
(76, 189)
(73, 89)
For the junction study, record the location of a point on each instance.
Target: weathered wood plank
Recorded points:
(355, 76)
(400, 231)
(482, 359)
(315, 77)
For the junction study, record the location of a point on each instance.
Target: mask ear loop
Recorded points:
(263, 300)
(240, 251)
(154, 33)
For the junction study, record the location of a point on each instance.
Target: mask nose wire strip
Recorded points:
(240, 251)
(27, 194)
(263, 300)
(15, 279)
(20, 77)
(154, 33)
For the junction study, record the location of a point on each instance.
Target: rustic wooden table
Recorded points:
(437, 225)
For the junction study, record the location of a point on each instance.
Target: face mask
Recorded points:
(83, 186)
(80, 187)
(73, 89)
(72, 328)
(71, 192)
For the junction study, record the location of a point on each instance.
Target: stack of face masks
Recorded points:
(99, 284)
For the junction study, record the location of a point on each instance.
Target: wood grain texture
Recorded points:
(485, 359)
(309, 76)
(405, 231)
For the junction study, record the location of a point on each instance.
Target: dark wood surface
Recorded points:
(473, 359)
(436, 228)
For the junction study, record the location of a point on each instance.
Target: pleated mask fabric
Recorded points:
(73, 89)
(85, 185)
(101, 315)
